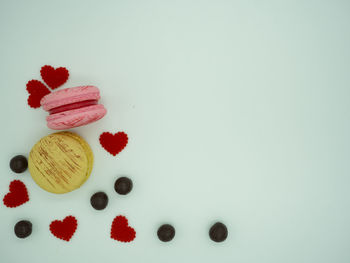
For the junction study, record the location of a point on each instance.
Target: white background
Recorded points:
(237, 111)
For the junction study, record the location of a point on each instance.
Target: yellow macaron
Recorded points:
(60, 162)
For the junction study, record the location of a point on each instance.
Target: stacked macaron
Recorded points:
(73, 107)
(60, 162)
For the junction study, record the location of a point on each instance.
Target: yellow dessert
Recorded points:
(60, 162)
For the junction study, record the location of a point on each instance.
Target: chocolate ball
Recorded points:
(123, 185)
(166, 232)
(23, 229)
(218, 232)
(99, 200)
(19, 164)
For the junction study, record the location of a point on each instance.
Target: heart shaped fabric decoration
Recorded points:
(37, 90)
(54, 77)
(113, 143)
(121, 231)
(17, 196)
(64, 229)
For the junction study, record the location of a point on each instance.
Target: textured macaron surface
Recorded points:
(69, 96)
(87, 150)
(60, 162)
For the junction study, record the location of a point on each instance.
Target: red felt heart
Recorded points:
(17, 196)
(37, 91)
(121, 231)
(114, 143)
(64, 229)
(54, 77)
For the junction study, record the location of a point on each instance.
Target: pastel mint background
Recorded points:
(237, 111)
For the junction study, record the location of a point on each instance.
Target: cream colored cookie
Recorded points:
(60, 162)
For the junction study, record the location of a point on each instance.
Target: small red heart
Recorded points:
(17, 196)
(113, 143)
(64, 229)
(54, 77)
(37, 91)
(121, 231)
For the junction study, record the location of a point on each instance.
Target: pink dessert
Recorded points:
(73, 107)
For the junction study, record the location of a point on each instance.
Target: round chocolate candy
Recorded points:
(123, 185)
(99, 200)
(218, 232)
(23, 229)
(166, 232)
(19, 164)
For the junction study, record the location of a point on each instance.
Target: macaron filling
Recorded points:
(73, 106)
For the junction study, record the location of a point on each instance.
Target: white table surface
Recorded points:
(237, 111)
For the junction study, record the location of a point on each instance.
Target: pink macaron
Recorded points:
(73, 107)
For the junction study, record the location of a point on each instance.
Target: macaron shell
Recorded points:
(75, 118)
(68, 96)
(87, 149)
(60, 162)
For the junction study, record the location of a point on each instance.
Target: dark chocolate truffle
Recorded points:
(23, 229)
(123, 185)
(99, 200)
(166, 232)
(19, 164)
(218, 232)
